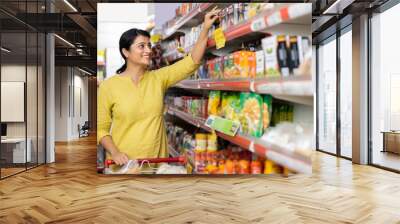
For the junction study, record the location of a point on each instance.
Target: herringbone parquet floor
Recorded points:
(70, 191)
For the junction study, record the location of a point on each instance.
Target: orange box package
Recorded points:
(245, 64)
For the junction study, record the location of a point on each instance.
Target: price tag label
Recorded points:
(219, 38)
(223, 125)
(155, 38)
(258, 24)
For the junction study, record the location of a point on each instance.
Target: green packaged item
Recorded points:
(251, 114)
(224, 103)
(267, 111)
(214, 102)
(222, 125)
(230, 106)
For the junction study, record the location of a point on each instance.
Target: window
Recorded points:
(327, 96)
(346, 93)
(385, 89)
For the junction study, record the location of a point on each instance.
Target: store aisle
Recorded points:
(71, 191)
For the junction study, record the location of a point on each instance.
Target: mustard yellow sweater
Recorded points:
(133, 114)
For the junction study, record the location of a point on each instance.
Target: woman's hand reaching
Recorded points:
(200, 46)
(211, 17)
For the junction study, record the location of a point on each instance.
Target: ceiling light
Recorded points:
(70, 5)
(64, 40)
(5, 50)
(86, 72)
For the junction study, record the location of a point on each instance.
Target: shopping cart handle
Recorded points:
(180, 159)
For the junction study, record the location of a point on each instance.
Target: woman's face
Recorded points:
(140, 51)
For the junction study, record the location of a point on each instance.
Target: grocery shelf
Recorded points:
(232, 85)
(292, 19)
(289, 19)
(292, 160)
(194, 16)
(298, 89)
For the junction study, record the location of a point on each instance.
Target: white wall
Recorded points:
(67, 102)
(61, 103)
(115, 18)
(110, 28)
(164, 12)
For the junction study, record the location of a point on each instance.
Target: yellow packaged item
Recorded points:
(214, 102)
(212, 145)
(201, 142)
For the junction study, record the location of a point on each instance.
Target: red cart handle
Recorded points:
(180, 159)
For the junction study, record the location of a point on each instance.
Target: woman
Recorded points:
(130, 120)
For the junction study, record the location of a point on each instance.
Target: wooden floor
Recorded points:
(70, 191)
(386, 159)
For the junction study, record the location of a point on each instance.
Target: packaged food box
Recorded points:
(211, 70)
(230, 16)
(229, 66)
(244, 62)
(251, 114)
(270, 46)
(252, 64)
(259, 63)
(218, 68)
(230, 105)
(214, 102)
(202, 72)
(267, 111)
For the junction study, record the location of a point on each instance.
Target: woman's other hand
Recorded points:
(211, 17)
(120, 158)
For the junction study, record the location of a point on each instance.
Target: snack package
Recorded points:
(218, 68)
(251, 114)
(214, 102)
(244, 62)
(230, 70)
(259, 64)
(267, 111)
(210, 66)
(202, 72)
(224, 103)
(232, 109)
(253, 9)
(252, 62)
(270, 46)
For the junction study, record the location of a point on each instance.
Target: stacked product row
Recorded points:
(280, 56)
(181, 11)
(211, 155)
(253, 111)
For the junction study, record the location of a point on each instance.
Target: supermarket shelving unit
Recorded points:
(290, 19)
(296, 89)
(293, 160)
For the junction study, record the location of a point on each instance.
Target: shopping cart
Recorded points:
(137, 166)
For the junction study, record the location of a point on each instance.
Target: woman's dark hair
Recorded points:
(126, 40)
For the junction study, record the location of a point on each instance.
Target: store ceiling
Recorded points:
(77, 22)
(332, 15)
